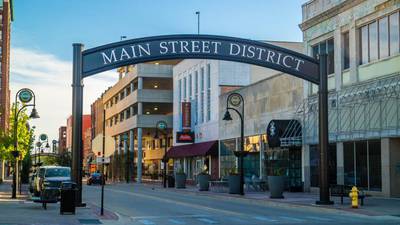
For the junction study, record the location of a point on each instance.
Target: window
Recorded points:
(208, 93)
(184, 89)
(128, 113)
(180, 91)
(380, 39)
(190, 86)
(196, 98)
(314, 164)
(394, 35)
(202, 95)
(373, 41)
(362, 164)
(121, 116)
(383, 38)
(346, 51)
(227, 158)
(327, 47)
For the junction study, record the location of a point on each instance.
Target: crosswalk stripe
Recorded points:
(176, 221)
(318, 218)
(263, 218)
(206, 220)
(291, 218)
(146, 222)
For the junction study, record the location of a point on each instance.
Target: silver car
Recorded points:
(50, 177)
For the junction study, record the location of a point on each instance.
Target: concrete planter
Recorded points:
(203, 180)
(276, 186)
(234, 184)
(180, 180)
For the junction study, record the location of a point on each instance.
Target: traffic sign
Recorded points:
(99, 160)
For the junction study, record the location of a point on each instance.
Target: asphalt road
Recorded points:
(141, 204)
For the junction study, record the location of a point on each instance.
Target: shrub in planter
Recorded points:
(203, 178)
(234, 182)
(276, 183)
(180, 179)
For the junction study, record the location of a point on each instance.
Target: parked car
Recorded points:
(95, 178)
(50, 176)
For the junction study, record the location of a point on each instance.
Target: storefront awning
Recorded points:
(284, 133)
(198, 149)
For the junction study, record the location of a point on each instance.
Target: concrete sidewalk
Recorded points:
(22, 211)
(373, 206)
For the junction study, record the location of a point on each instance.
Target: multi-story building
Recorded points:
(269, 104)
(361, 39)
(134, 105)
(86, 123)
(62, 139)
(6, 12)
(197, 87)
(7, 16)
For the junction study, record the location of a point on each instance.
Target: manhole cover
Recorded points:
(89, 221)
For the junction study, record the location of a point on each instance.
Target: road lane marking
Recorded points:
(146, 222)
(291, 218)
(206, 220)
(318, 218)
(202, 207)
(169, 216)
(263, 218)
(176, 221)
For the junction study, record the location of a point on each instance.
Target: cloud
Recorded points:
(50, 78)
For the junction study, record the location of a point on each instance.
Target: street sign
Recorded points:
(25, 96)
(162, 125)
(43, 137)
(235, 99)
(99, 160)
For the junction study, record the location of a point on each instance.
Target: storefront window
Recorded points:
(314, 164)
(252, 144)
(362, 164)
(227, 158)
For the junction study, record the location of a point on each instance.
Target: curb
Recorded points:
(271, 203)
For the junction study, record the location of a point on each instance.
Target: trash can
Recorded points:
(171, 181)
(67, 194)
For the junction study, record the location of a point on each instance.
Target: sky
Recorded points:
(43, 32)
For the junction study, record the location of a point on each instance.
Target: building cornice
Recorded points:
(329, 13)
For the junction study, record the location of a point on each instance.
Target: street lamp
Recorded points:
(235, 100)
(162, 127)
(25, 95)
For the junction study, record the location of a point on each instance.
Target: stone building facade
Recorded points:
(361, 39)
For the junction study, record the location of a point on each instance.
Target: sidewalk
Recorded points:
(21, 211)
(373, 206)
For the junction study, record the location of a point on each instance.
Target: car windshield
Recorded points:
(95, 174)
(57, 172)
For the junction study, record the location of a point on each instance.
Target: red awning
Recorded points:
(198, 149)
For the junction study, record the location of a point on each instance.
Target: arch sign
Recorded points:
(199, 47)
(91, 61)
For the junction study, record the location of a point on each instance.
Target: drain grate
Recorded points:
(89, 221)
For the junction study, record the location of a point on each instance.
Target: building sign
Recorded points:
(184, 137)
(186, 116)
(275, 131)
(140, 50)
(25, 96)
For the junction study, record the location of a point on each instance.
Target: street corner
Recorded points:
(108, 215)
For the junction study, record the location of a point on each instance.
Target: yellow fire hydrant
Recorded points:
(354, 197)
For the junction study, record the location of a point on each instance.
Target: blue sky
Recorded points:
(44, 30)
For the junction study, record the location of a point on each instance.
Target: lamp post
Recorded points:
(162, 127)
(24, 95)
(54, 146)
(235, 100)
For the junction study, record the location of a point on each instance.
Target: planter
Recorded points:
(234, 184)
(276, 186)
(180, 180)
(203, 180)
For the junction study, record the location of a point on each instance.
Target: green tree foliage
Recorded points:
(24, 136)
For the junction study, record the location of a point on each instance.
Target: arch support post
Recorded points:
(77, 108)
(324, 198)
